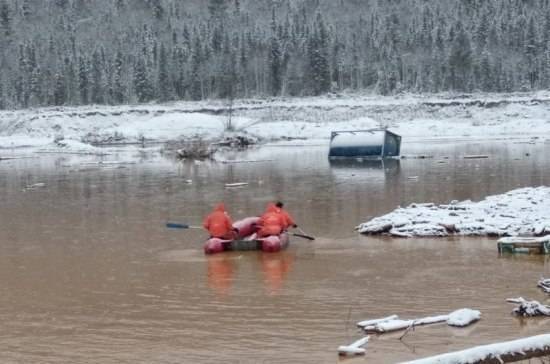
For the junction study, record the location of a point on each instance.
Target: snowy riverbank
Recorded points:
(414, 117)
(519, 212)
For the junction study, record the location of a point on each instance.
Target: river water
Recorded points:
(89, 273)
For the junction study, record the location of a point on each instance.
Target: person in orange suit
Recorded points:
(289, 221)
(219, 224)
(271, 222)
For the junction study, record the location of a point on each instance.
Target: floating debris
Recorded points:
(544, 284)
(36, 185)
(526, 245)
(460, 318)
(245, 161)
(529, 308)
(237, 184)
(418, 156)
(362, 324)
(478, 156)
(354, 348)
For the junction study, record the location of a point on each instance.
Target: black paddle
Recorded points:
(303, 234)
(174, 225)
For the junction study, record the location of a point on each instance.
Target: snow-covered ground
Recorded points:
(415, 117)
(519, 212)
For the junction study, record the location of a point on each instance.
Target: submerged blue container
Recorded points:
(375, 143)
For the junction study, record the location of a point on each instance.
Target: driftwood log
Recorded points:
(504, 352)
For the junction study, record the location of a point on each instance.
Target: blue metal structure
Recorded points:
(376, 143)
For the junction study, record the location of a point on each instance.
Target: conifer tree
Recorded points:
(83, 80)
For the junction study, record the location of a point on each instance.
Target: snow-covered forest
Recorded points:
(76, 52)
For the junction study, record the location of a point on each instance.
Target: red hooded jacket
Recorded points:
(218, 223)
(288, 220)
(271, 222)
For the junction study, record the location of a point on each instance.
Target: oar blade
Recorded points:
(174, 225)
(304, 236)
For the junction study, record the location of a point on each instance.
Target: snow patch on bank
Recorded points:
(313, 118)
(522, 211)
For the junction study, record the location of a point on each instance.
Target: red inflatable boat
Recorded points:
(247, 240)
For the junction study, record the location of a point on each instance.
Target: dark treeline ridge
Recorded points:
(77, 52)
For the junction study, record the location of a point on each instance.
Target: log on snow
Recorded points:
(504, 352)
(376, 321)
(355, 348)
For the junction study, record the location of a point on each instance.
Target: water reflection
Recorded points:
(222, 270)
(220, 273)
(387, 166)
(275, 268)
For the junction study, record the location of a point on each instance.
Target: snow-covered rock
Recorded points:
(519, 212)
(463, 317)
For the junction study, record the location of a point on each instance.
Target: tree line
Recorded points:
(78, 52)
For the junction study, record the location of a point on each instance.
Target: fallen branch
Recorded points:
(355, 348)
(544, 284)
(396, 325)
(376, 321)
(238, 184)
(245, 161)
(460, 318)
(504, 352)
(480, 156)
(529, 308)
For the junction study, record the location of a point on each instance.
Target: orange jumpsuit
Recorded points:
(219, 224)
(271, 222)
(289, 221)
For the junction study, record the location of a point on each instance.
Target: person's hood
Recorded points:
(271, 208)
(220, 207)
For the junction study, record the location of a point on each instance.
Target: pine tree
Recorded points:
(531, 52)
(36, 87)
(460, 60)
(83, 80)
(62, 4)
(3, 101)
(156, 7)
(142, 84)
(119, 5)
(319, 67)
(217, 9)
(5, 20)
(26, 9)
(97, 89)
(196, 90)
(275, 60)
(118, 86)
(164, 85)
(60, 90)
(486, 75)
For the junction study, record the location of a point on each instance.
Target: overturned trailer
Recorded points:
(373, 143)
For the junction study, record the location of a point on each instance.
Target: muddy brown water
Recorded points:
(89, 273)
